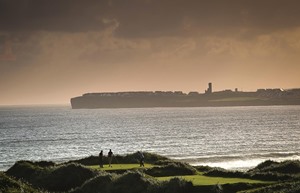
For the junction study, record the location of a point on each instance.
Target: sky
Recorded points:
(53, 50)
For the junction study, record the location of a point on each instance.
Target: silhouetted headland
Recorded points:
(145, 99)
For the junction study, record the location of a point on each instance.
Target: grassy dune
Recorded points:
(160, 175)
(120, 167)
(199, 180)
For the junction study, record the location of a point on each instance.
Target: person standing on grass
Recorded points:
(141, 158)
(110, 154)
(101, 159)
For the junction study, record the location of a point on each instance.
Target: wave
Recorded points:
(240, 162)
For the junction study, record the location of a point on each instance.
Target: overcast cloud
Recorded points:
(63, 48)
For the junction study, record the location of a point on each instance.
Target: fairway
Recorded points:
(120, 167)
(198, 180)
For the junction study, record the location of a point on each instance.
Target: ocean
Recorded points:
(236, 138)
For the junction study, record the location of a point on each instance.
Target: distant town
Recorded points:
(269, 92)
(144, 99)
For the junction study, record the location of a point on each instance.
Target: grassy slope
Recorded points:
(68, 176)
(195, 179)
(11, 185)
(120, 167)
(199, 180)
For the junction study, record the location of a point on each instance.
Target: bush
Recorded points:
(100, 183)
(88, 161)
(268, 170)
(263, 165)
(9, 184)
(203, 168)
(61, 178)
(171, 169)
(220, 172)
(133, 182)
(44, 164)
(286, 187)
(176, 185)
(26, 170)
(268, 176)
(134, 158)
(285, 167)
(66, 177)
(121, 159)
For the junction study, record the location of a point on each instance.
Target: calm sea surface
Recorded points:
(228, 137)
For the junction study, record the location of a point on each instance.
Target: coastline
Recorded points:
(230, 162)
(148, 99)
(162, 172)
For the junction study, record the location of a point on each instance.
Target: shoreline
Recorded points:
(85, 175)
(144, 99)
(232, 163)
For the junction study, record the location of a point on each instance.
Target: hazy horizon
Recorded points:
(51, 51)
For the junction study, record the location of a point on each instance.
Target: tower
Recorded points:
(209, 89)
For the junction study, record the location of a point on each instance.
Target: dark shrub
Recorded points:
(288, 167)
(270, 176)
(134, 158)
(44, 164)
(98, 184)
(133, 182)
(152, 158)
(167, 162)
(220, 172)
(65, 177)
(88, 161)
(203, 168)
(286, 187)
(264, 165)
(9, 184)
(232, 188)
(285, 167)
(26, 170)
(176, 185)
(172, 169)
(121, 159)
(60, 178)
(268, 170)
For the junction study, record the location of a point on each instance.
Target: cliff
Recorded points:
(261, 97)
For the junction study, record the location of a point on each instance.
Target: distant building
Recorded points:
(209, 89)
(193, 94)
(178, 93)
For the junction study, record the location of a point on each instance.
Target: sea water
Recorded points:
(228, 137)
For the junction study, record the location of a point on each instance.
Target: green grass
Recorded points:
(198, 180)
(120, 167)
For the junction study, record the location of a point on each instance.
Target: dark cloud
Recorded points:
(144, 18)
(73, 46)
(169, 17)
(56, 15)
